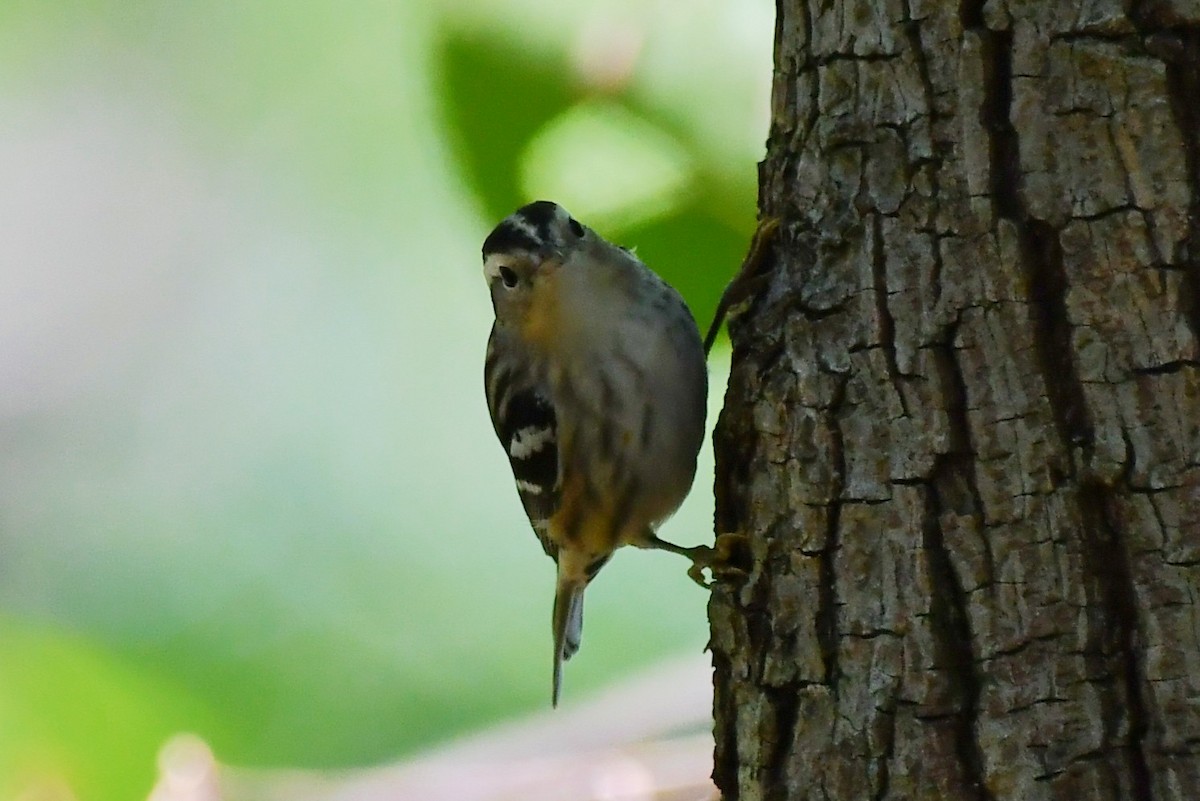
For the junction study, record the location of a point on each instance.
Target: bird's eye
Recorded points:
(576, 228)
(508, 276)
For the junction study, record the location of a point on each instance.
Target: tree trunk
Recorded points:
(962, 431)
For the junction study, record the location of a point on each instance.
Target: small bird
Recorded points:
(596, 383)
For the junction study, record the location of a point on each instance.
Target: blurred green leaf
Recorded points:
(75, 714)
(608, 165)
(495, 98)
(695, 252)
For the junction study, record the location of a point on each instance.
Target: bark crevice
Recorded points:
(1041, 255)
(953, 490)
(1183, 89)
(962, 492)
(883, 765)
(1004, 162)
(951, 617)
(1108, 560)
(827, 597)
(887, 322)
(784, 702)
(1177, 45)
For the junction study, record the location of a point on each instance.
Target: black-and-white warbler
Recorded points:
(596, 383)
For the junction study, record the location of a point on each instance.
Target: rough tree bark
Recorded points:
(962, 431)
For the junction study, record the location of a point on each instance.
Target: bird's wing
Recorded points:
(525, 423)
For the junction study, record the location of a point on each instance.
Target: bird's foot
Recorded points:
(728, 560)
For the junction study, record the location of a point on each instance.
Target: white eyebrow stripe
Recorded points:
(494, 261)
(491, 267)
(525, 226)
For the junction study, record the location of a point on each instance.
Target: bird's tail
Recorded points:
(567, 621)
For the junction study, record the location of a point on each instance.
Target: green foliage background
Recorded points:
(247, 483)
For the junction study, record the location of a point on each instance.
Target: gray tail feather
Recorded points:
(574, 633)
(568, 626)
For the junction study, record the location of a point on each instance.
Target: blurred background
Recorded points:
(248, 486)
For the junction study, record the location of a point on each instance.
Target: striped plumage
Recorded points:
(524, 420)
(596, 385)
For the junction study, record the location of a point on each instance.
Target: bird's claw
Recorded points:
(727, 560)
